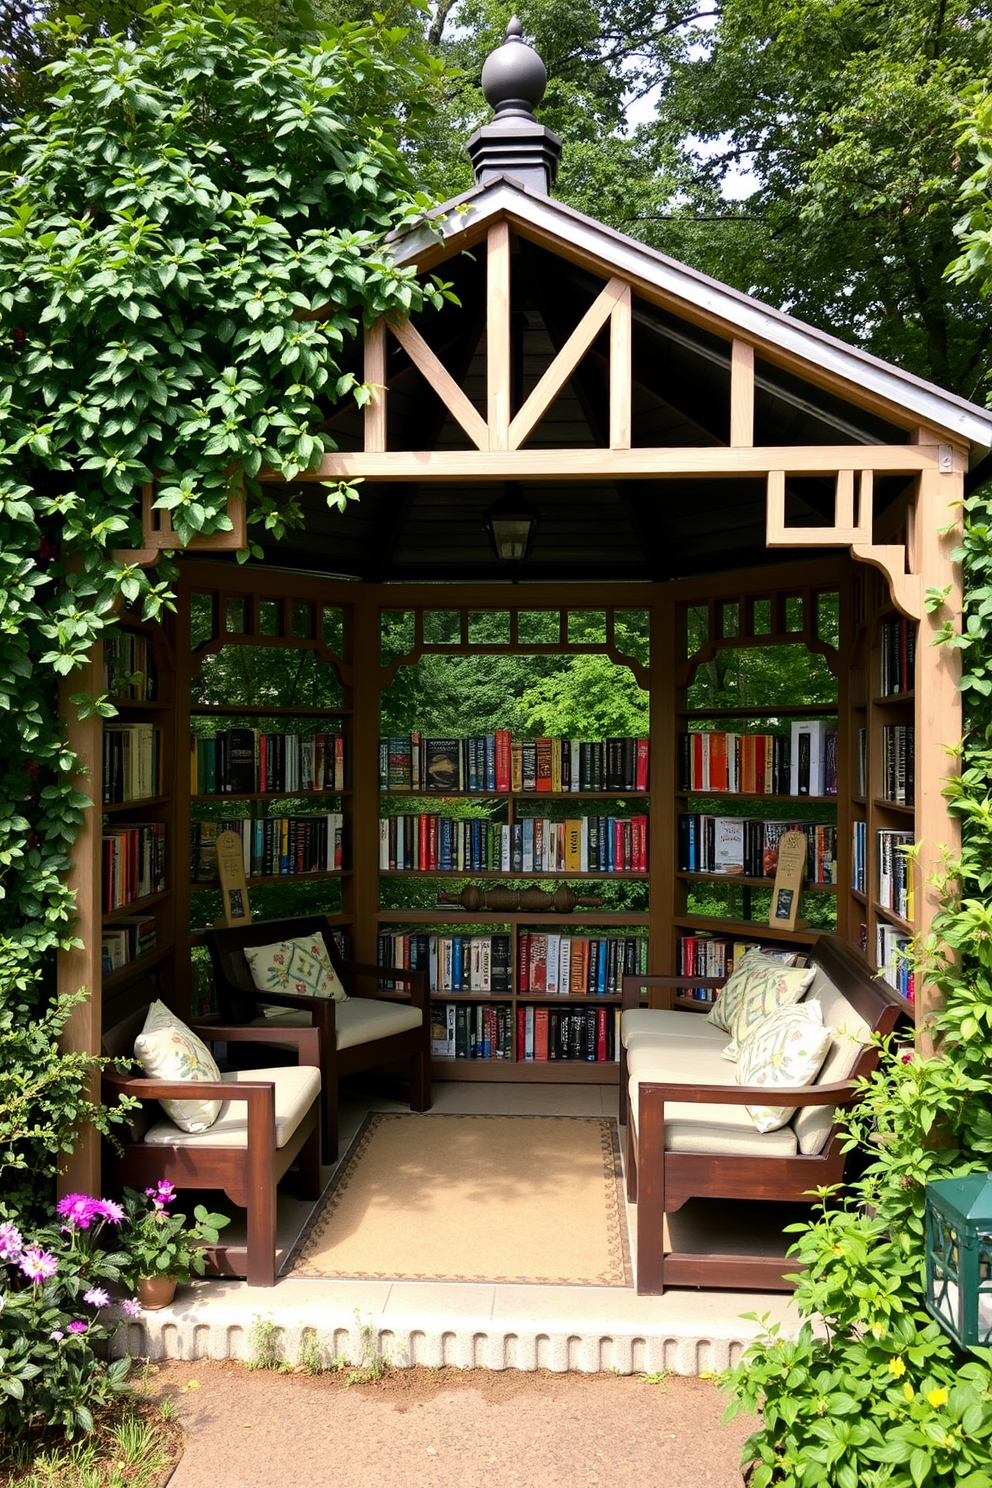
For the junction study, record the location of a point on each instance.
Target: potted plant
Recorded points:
(162, 1248)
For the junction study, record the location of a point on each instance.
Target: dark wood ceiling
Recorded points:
(597, 529)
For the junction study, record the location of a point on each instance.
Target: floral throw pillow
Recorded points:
(776, 987)
(167, 1050)
(752, 963)
(299, 966)
(786, 1048)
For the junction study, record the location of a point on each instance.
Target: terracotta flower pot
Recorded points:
(156, 1291)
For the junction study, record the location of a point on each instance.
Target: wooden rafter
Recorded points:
(441, 380)
(621, 381)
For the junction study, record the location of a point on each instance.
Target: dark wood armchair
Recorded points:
(379, 1027)
(279, 1128)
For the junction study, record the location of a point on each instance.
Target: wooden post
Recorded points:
(498, 335)
(938, 702)
(365, 778)
(375, 374)
(80, 967)
(620, 372)
(741, 395)
(664, 729)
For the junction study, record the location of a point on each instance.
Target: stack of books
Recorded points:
(892, 948)
(588, 1034)
(553, 964)
(896, 878)
(127, 939)
(132, 762)
(454, 963)
(495, 763)
(899, 763)
(272, 845)
(243, 761)
(747, 848)
(711, 762)
(898, 656)
(133, 863)
(461, 1031)
(432, 843)
(706, 955)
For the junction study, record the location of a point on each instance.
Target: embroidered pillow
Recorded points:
(786, 1048)
(300, 966)
(167, 1050)
(772, 987)
(752, 963)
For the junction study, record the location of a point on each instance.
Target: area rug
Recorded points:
(474, 1198)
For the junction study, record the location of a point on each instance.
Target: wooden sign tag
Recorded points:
(233, 887)
(788, 882)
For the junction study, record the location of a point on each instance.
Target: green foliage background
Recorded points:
(188, 236)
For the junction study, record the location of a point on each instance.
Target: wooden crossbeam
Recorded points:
(441, 380)
(641, 463)
(565, 363)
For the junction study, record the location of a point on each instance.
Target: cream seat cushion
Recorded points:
(712, 1128)
(699, 1060)
(296, 1089)
(662, 1024)
(360, 1020)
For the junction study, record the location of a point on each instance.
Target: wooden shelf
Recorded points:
(744, 929)
(859, 801)
(136, 967)
(585, 999)
(497, 795)
(883, 805)
(527, 1071)
(787, 710)
(197, 937)
(136, 906)
(890, 916)
(450, 915)
(255, 710)
(300, 795)
(758, 796)
(542, 875)
(277, 878)
(112, 806)
(752, 883)
(119, 703)
(893, 699)
(858, 894)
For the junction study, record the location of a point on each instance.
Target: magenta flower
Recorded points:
(78, 1326)
(37, 1264)
(79, 1209)
(11, 1243)
(110, 1211)
(131, 1307)
(96, 1297)
(162, 1194)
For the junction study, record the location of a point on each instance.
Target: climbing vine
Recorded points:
(189, 238)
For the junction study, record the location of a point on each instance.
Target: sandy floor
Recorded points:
(447, 1429)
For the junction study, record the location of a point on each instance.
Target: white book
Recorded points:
(564, 964)
(450, 1013)
(504, 848)
(529, 1033)
(728, 844)
(447, 950)
(574, 756)
(554, 947)
(706, 760)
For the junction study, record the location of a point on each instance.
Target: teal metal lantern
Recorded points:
(959, 1257)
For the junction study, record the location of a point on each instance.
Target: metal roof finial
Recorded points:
(514, 144)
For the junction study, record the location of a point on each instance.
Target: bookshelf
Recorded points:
(137, 801)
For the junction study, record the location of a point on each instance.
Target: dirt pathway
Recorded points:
(447, 1429)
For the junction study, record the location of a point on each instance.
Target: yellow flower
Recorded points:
(937, 1397)
(878, 1329)
(908, 1390)
(897, 1367)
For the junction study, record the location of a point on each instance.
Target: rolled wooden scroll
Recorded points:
(531, 900)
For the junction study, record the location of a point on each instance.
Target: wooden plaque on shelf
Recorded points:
(233, 886)
(788, 882)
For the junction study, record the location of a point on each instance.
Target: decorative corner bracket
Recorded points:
(159, 536)
(848, 531)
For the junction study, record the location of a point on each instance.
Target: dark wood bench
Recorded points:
(247, 1173)
(660, 1180)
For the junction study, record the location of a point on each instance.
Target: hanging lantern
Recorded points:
(959, 1257)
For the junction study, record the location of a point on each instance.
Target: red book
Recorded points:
(523, 962)
(601, 1035)
(502, 759)
(643, 754)
(541, 1032)
(618, 856)
(538, 972)
(718, 762)
(543, 757)
(432, 842)
(521, 1032)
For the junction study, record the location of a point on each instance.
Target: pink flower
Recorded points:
(79, 1209)
(96, 1297)
(131, 1307)
(163, 1194)
(111, 1211)
(11, 1243)
(57, 1335)
(78, 1326)
(37, 1264)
